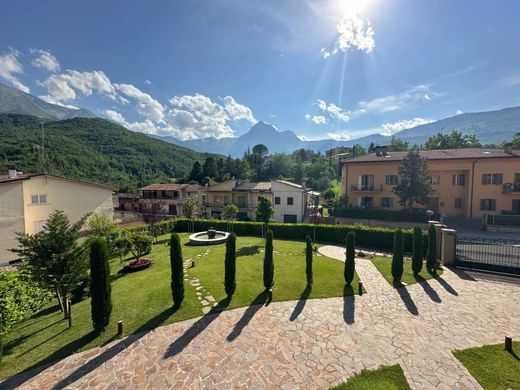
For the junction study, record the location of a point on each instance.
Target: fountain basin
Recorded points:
(208, 238)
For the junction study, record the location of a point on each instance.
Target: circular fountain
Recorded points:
(209, 237)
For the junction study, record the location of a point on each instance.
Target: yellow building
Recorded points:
(466, 182)
(27, 200)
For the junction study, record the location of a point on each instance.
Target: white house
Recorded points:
(289, 201)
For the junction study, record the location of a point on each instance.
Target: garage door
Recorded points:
(290, 218)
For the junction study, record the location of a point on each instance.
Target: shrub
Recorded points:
(397, 258)
(417, 257)
(230, 265)
(268, 261)
(176, 265)
(141, 244)
(350, 265)
(100, 289)
(381, 214)
(308, 260)
(432, 249)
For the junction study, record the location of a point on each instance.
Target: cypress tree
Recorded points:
(268, 261)
(397, 258)
(350, 265)
(176, 264)
(230, 265)
(100, 289)
(432, 249)
(417, 257)
(308, 260)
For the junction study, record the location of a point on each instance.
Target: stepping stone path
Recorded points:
(205, 298)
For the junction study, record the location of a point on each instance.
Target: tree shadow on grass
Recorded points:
(301, 302)
(197, 328)
(349, 304)
(254, 306)
(407, 299)
(19, 340)
(41, 313)
(249, 250)
(427, 288)
(445, 284)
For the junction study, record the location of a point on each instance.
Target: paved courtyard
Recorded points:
(309, 344)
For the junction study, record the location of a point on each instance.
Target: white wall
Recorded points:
(11, 218)
(285, 191)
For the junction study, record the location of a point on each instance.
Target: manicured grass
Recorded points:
(383, 378)
(492, 366)
(143, 299)
(384, 265)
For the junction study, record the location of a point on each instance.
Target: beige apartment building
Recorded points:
(465, 182)
(162, 200)
(27, 200)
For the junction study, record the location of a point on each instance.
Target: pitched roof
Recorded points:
(251, 186)
(288, 183)
(442, 154)
(171, 187)
(26, 176)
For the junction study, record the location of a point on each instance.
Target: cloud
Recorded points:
(64, 86)
(395, 127)
(317, 119)
(44, 59)
(147, 82)
(9, 66)
(147, 106)
(354, 32)
(332, 110)
(404, 100)
(237, 111)
(458, 112)
(339, 136)
(324, 53)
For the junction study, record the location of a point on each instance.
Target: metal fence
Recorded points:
(503, 220)
(504, 258)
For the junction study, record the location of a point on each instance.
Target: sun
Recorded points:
(352, 7)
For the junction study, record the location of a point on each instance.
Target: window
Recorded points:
(366, 202)
(39, 199)
(488, 204)
(492, 178)
(226, 199)
(434, 180)
(458, 203)
(276, 200)
(387, 202)
(241, 200)
(458, 179)
(515, 206)
(290, 200)
(391, 180)
(216, 198)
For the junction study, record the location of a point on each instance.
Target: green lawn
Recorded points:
(492, 366)
(143, 299)
(384, 265)
(384, 378)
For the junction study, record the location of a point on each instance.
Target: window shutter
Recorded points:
(493, 204)
(500, 177)
(453, 179)
(482, 204)
(484, 181)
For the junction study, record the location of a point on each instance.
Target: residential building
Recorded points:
(27, 200)
(465, 182)
(215, 197)
(157, 201)
(290, 201)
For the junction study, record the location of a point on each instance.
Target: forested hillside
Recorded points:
(91, 149)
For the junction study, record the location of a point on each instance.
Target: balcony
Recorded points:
(222, 204)
(511, 187)
(366, 188)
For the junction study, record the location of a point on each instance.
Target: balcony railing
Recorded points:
(366, 188)
(222, 204)
(511, 187)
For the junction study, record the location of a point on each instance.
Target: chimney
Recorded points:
(508, 148)
(378, 151)
(12, 171)
(384, 150)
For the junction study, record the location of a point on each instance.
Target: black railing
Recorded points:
(366, 188)
(489, 256)
(503, 220)
(511, 187)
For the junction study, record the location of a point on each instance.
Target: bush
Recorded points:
(268, 261)
(140, 244)
(230, 265)
(372, 237)
(397, 258)
(382, 214)
(432, 249)
(100, 289)
(417, 257)
(350, 265)
(308, 260)
(177, 270)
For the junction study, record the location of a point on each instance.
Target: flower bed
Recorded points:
(137, 265)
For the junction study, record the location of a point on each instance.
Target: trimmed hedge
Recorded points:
(382, 214)
(366, 236)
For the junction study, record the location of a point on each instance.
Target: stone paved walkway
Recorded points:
(309, 344)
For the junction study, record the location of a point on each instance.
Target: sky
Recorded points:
(338, 69)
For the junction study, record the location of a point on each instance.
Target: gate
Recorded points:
(504, 258)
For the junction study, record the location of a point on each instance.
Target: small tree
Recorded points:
(230, 213)
(54, 258)
(414, 185)
(101, 225)
(397, 258)
(230, 265)
(417, 257)
(189, 210)
(141, 244)
(268, 262)
(100, 289)
(432, 249)
(308, 260)
(350, 265)
(122, 245)
(176, 264)
(264, 211)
